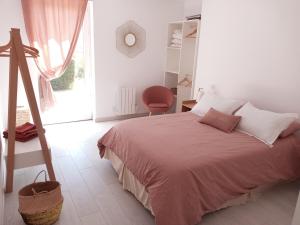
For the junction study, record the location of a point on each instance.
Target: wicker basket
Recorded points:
(40, 203)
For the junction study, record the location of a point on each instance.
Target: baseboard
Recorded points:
(121, 117)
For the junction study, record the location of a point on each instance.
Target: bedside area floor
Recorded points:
(94, 196)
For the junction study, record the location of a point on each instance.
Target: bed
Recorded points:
(181, 169)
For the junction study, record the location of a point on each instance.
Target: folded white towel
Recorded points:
(177, 36)
(176, 41)
(175, 45)
(177, 31)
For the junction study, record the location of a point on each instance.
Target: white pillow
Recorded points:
(224, 105)
(264, 125)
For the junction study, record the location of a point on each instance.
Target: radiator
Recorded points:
(126, 101)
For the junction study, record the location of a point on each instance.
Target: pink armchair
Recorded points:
(158, 99)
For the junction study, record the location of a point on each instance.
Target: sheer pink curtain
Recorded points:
(53, 27)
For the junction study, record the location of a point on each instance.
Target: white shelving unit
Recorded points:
(27, 154)
(181, 61)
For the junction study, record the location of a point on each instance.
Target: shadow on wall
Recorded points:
(192, 7)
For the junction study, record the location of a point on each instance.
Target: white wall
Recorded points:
(251, 50)
(1, 178)
(11, 16)
(1, 183)
(113, 69)
(192, 7)
(11, 10)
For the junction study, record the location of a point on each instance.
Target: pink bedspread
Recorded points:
(190, 169)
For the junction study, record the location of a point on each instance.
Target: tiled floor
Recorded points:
(93, 195)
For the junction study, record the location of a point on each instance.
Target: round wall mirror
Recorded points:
(130, 39)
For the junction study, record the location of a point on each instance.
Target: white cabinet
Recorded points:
(181, 59)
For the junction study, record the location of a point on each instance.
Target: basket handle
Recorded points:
(37, 176)
(38, 193)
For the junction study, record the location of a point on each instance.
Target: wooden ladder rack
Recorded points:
(17, 53)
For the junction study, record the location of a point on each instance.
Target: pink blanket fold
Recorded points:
(190, 169)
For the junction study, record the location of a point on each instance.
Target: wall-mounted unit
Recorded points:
(181, 58)
(126, 101)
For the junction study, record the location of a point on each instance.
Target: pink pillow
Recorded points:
(295, 126)
(221, 121)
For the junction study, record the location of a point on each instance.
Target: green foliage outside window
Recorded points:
(65, 81)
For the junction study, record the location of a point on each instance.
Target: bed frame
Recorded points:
(132, 184)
